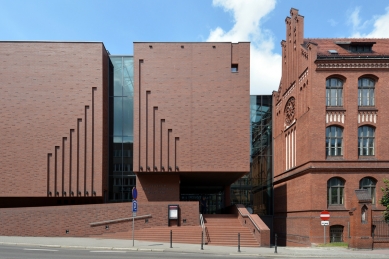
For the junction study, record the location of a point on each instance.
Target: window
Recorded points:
(334, 92)
(334, 141)
(366, 141)
(366, 92)
(336, 233)
(360, 48)
(368, 184)
(335, 191)
(234, 67)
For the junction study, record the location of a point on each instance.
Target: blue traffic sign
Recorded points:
(134, 193)
(134, 206)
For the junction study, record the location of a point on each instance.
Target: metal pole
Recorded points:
(171, 239)
(239, 242)
(202, 240)
(324, 234)
(275, 243)
(133, 230)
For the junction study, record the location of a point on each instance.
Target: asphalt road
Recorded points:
(29, 252)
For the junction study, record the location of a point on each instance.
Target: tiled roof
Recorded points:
(380, 46)
(363, 195)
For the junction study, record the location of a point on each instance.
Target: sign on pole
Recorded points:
(134, 193)
(325, 216)
(134, 208)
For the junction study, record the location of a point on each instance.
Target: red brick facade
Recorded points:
(78, 219)
(190, 116)
(301, 115)
(54, 119)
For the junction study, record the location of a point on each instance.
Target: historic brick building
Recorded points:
(329, 126)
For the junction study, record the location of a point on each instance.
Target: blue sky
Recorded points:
(118, 23)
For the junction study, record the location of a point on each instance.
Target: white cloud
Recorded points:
(265, 65)
(380, 25)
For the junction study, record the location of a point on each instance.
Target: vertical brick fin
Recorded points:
(176, 141)
(147, 128)
(63, 189)
(49, 155)
(71, 185)
(161, 153)
(94, 89)
(79, 121)
(155, 108)
(235, 53)
(55, 170)
(168, 147)
(139, 109)
(85, 148)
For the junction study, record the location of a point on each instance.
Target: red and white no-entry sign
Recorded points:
(325, 215)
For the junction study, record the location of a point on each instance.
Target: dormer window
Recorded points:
(360, 48)
(356, 46)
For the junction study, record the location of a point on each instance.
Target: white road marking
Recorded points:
(37, 249)
(111, 251)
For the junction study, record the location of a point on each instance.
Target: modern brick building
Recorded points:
(81, 126)
(191, 120)
(329, 127)
(54, 123)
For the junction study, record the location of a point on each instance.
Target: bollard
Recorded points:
(239, 242)
(171, 238)
(275, 244)
(202, 240)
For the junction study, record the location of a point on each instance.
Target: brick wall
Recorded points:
(54, 221)
(190, 111)
(53, 112)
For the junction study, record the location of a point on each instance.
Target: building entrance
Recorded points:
(214, 201)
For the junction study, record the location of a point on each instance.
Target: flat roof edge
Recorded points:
(49, 41)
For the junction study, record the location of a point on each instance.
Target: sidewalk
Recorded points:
(120, 244)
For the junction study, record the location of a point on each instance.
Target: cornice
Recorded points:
(352, 65)
(330, 166)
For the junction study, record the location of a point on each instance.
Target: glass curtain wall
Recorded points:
(261, 153)
(255, 190)
(121, 175)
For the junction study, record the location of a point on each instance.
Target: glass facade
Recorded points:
(261, 154)
(121, 99)
(255, 190)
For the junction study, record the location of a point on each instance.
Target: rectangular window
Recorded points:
(234, 68)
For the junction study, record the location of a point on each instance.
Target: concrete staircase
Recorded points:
(183, 234)
(223, 229)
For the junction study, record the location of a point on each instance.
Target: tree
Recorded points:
(385, 199)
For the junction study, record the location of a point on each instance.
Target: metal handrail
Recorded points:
(203, 228)
(118, 220)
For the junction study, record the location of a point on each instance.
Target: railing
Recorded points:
(380, 230)
(203, 229)
(118, 220)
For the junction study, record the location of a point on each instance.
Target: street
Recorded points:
(35, 252)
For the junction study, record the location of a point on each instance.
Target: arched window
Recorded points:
(366, 135)
(334, 141)
(368, 184)
(366, 92)
(335, 191)
(334, 92)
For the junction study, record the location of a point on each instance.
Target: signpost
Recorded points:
(134, 210)
(325, 216)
